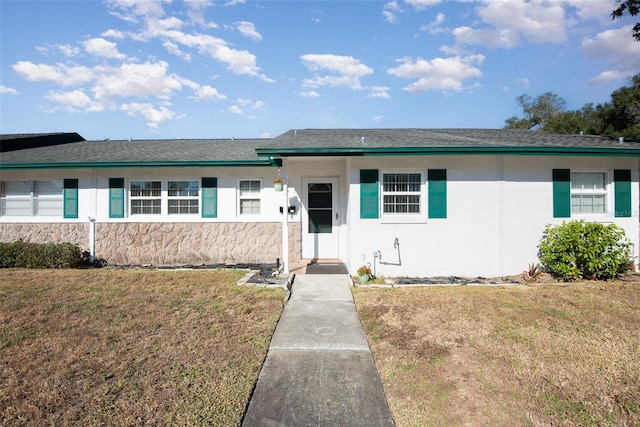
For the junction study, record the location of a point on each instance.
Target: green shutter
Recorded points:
(70, 198)
(437, 193)
(209, 197)
(116, 197)
(369, 189)
(561, 193)
(622, 190)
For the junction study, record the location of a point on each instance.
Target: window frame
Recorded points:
(606, 192)
(181, 198)
(144, 198)
(163, 197)
(404, 217)
(240, 197)
(33, 198)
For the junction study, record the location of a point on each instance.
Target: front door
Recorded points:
(320, 222)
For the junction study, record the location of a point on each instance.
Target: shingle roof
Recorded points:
(161, 152)
(452, 141)
(21, 141)
(312, 142)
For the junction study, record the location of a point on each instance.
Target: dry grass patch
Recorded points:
(525, 355)
(108, 347)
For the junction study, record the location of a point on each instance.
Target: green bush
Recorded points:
(585, 250)
(20, 254)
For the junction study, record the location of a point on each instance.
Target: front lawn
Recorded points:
(113, 347)
(551, 354)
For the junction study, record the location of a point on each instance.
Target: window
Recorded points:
(249, 197)
(179, 197)
(183, 197)
(401, 193)
(146, 197)
(32, 198)
(588, 192)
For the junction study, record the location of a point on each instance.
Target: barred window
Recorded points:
(146, 198)
(183, 197)
(401, 193)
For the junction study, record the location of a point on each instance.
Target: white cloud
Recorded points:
(103, 48)
(134, 8)
(239, 62)
(611, 75)
(241, 104)
(168, 29)
(309, 94)
(75, 101)
(618, 47)
(154, 116)
(234, 2)
(114, 34)
(596, 10)
(248, 29)
(346, 70)
(59, 73)
(137, 80)
(196, 10)
(506, 37)
(422, 4)
(510, 21)
(439, 73)
(174, 49)
(4, 90)
(208, 93)
(379, 92)
(377, 119)
(390, 12)
(43, 50)
(156, 27)
(68, 50)
(434, 27)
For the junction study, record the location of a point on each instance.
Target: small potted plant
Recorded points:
(364, 273)
(278, 184)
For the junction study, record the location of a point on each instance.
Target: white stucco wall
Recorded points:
(497, 208)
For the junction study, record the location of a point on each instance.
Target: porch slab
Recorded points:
(323, 287)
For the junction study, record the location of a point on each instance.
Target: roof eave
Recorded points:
(125, 165)
(443, 151)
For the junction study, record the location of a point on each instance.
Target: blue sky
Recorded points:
(214, 69)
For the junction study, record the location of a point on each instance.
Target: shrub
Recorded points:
(584, 250)
(21, 254)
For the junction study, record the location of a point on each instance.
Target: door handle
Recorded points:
(336, 216)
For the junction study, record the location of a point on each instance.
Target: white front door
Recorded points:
(320, 219)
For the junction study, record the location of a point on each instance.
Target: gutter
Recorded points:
(167, 164)
(440, 151)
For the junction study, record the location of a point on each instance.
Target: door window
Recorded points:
(320, 208)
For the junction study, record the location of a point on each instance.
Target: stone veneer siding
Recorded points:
(168, 244)
(47, 233)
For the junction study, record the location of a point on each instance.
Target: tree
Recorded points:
(632, 8)
(537, 112)
(622, 114)
(587, 120)
(619, 117)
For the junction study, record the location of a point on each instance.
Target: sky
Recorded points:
(145, 69)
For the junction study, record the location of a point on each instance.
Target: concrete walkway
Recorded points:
(319, 370)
